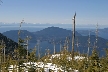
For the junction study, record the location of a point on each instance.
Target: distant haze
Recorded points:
(36, 27)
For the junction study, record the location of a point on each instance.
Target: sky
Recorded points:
(54, 11)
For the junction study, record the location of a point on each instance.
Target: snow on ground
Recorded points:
(45, 66)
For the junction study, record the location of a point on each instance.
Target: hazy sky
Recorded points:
(54, 11)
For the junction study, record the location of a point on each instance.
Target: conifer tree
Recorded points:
(95, 61)
(104, 62)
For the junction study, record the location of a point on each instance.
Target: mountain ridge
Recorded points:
(56, 34)
(10, 45)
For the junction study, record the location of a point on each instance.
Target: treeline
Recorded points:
(63, 59)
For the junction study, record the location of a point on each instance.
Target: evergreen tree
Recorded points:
(94, 62)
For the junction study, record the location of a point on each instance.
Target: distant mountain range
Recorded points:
(32, 27)
(45, 34)
(101, 32)
(13, 34)
(55, 34)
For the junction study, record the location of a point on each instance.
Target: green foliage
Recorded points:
(32, 56)
(104, 62)
(21, 40)
(91, 64)
(31, 69)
